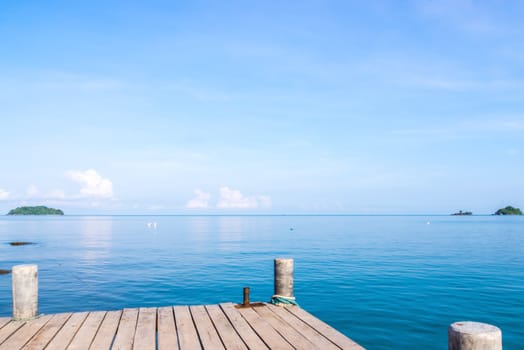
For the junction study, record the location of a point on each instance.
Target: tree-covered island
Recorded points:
(462, 213)
(509, 210)
(38, 210)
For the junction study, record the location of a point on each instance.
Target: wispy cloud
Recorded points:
(33, 192)
(201, 200)
(57, 80)
(66, 80)
(234, 199)
(498, 123)
(466, 127)
(202, 93)
(4, 194)
(92, 184)
(467, 15)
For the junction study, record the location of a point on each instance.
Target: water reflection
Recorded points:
(96, 239)
(200, 227)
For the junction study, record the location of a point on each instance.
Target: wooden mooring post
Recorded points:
(25, 291)
(284, 277)
(468, 335)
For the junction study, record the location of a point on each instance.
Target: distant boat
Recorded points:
(151, 224)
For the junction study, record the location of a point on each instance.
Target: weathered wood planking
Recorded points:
(327, 331)
(187, 333)
(221, 327)
(264, 330)
(242, 327)
(67, 332)
(206, 330)
(290, 334)
(86, 333)
(24, 334)
(4, 321)
(224, 328)
(303, 328)
(44, 336)
(166, 329)
(145, 335)
(126, 330)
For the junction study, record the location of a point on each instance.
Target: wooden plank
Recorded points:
(145, 336)
(25, 333)
(264, 330)
(9, 329)
(187, 333)
(205, 328)
(327, 331)
(44, 336)
(106, 333)
(4, 321)
(86, 333)
(307, 331)
(68, 331)
(289, 333)
(248, 335)
(167, 338)
(126, 330)
(224, 328)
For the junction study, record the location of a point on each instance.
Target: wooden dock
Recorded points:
(224, 326)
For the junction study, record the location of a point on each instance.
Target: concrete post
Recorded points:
(469, 335)
(25, 291)
(284, 277)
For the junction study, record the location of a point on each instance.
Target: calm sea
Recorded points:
(388, 282)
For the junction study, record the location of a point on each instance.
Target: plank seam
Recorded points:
(233, 326)
(282, 334)
(215, 327)
(38, 330)
(309, 324)
(116, 331)
(196, 328)
(297, 329)
(13, 332)
(98, 328)
(74, 335)
(260, 335)
(58, 330)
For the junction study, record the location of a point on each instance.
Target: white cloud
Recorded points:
(92, 184)
(201, 200)
(234, 199)
(3, 194)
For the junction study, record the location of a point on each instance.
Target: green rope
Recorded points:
(282, 300)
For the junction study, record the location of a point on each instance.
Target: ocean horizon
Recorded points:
(386, 281)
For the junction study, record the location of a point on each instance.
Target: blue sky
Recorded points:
(360, 107)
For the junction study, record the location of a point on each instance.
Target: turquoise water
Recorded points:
(388, 282)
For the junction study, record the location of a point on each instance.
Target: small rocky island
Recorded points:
(38, 210)
(462, 213)
(509, 210)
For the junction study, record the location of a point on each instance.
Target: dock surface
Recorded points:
(223, 326)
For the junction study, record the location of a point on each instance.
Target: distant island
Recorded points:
(38, 210)
(509, 210)
(462, 213)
